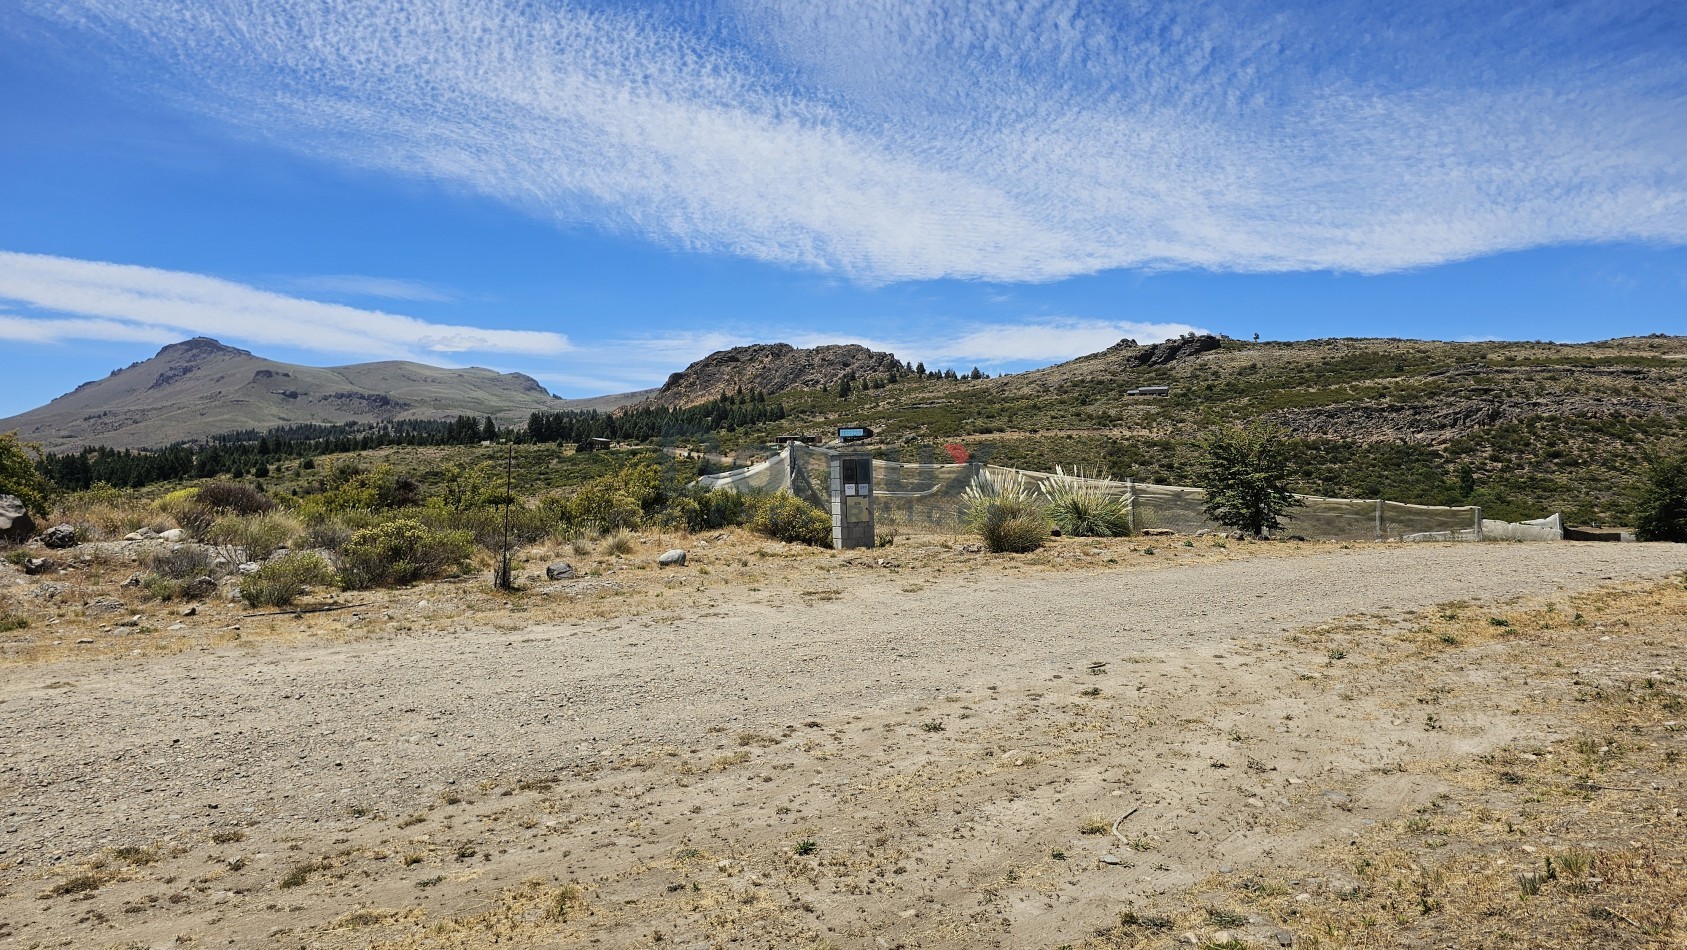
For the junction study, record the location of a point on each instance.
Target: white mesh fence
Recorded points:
(925, 497)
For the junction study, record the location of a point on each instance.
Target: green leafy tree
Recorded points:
(19, 475)
(1243, 470)
(1661, 514)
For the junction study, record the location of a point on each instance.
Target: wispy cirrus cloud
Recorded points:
(1015, 141)
(57, 298)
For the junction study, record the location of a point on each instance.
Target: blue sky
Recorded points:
(596, 194)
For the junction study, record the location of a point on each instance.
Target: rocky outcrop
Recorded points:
(15, 523)
(771, 368)
(1170, 351)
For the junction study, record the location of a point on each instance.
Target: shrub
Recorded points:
(234, 498)
(104, 512)
(622, 499)
(785, 517)
(486, 524)
(253, 537)
(160, 587)
(1005, 515)
(618, 542)
(1661, 514)
(401, 552)
(704, 511)
(721, 508)
(326, 532)
(281, 581)
(20, 477)
(183, 563)
(176, 503)
(1082, 510)
(349, 487)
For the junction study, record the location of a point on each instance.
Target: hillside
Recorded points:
(771, 368)
(1522, 428)
(200, 388)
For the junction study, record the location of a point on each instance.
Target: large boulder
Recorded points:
(673, 558)
(59, 536)
(200, 588)
(559, 571)
(15, 523)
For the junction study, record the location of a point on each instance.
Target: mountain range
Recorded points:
(201, 388)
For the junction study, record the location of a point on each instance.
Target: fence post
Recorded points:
(1130, 503)
(1478, 522)
(1380, 534)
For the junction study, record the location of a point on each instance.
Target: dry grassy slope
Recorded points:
(1542, 426)
(200, 388)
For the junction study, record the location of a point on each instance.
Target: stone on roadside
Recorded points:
(173, 535)
(199, 588)
(672, 558)
(59, 536)
(37, 565)
(559, 571)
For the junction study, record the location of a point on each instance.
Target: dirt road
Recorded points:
(187, 790)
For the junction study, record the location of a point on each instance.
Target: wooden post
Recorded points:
(1380, 534)
(1478, 522)
(1130, 502)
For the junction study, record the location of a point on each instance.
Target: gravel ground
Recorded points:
(284, 738)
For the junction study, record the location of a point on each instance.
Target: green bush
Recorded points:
(20, 477)
(182, 563)
(254, 537)
(704, 511)
(487, 524)
(1005, 515)
(1661, 513)
(160, 587)
(281, 581)
(1081, 510)
(233, 498)
(401, 552)
(785, 517)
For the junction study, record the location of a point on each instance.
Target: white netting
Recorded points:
(926, 497)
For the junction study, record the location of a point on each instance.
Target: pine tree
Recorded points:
(1243, 470)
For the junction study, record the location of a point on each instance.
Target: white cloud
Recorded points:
(76, 299)
(358, 285)
(1015, 141)
(998, 344)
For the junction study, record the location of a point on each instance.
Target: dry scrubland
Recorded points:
(1091, 746)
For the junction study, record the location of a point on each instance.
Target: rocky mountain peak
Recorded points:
(771, 368)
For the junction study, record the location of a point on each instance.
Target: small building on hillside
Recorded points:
(1150, 391)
